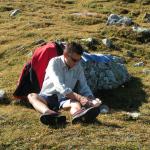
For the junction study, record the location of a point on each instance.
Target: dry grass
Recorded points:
(50, 20)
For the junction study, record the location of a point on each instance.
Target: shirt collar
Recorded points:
(64, 64)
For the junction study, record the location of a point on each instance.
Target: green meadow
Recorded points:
(52, 20)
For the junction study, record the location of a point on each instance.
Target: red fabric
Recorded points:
(40, 60)
(24, 70)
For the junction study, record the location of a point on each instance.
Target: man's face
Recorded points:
(72, 59)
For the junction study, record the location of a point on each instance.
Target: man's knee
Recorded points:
(32, 97)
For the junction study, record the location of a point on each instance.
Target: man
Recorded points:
(64, 75)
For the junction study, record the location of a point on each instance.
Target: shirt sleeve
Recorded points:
(84, 89)
(55, 72)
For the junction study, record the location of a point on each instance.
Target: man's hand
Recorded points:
(86, 102)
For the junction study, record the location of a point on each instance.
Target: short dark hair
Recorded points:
(74, 47)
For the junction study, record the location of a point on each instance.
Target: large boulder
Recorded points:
(105, 75)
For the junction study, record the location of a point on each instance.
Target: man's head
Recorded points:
(72, 53)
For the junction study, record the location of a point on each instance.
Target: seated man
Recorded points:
(63, 74)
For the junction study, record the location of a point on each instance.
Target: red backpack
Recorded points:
(33, 73)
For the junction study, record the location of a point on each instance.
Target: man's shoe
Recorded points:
(86, 115)
(52, 119)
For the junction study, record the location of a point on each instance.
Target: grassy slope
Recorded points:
(50, 20)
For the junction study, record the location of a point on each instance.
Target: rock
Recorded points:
(133, 115)
(119, 59)
(146, 71)
(108, 43)
(104, 109)
(90, 43)
(130, 54)
(146, 2)
(146, 17)
(119, 20)
(15, 12)
(101, 75)
(88, 40)
(2, 94)
(143, 34)
(30, 54)
(140, 29)
(139, 64)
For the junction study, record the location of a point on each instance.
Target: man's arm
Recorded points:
(82, 99)
(83, 87)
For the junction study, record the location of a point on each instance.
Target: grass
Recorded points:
(50, 20)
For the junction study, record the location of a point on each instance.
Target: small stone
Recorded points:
(139, 64)
(90, 43)
(146, 2)
(2, 94)
(133, 115)
(87, 40)
(104, 109)
(108, 43)
(140, 29)
(30, 54)
(146, 71)
(143, 34)
(130, 54)
(146, 17)
(15, 12)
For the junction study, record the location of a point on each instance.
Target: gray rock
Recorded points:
(90, 42)
(143, 34)
(87, 40)
(146, 2)
(15, 12)
(119, 59)
(30, 54)
(101, 75)
(146, 71)
(2, 94)
(140, 29)
(139, 64)
(108, 43)
(119, 20)
(146, 17)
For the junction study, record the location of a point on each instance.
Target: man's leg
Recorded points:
(81, 114)
(48, 117)
(73, 105)
(39, 103)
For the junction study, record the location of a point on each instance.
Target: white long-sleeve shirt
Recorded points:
(61, 81)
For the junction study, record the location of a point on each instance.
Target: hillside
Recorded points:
(68, 20)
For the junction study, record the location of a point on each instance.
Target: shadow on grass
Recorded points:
(99, 123)
(58, 126)
(128, 97)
